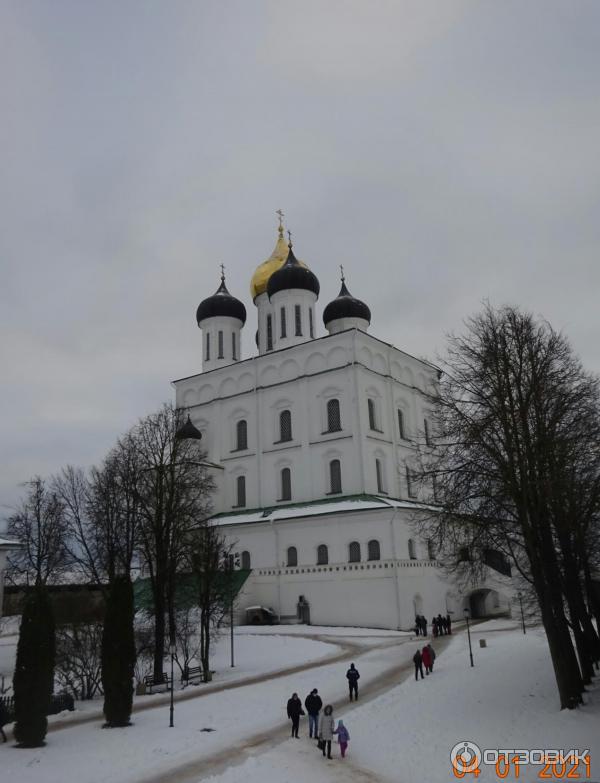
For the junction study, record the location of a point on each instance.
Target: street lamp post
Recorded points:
(520, 596)
(469, 635)
(172, 651)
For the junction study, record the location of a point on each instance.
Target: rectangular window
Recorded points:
(401, 430)
(283, 324)
(410, 483)
(269, 333)
(207, 347)
(379, 474)
(220, 356)
(426, 431)
(298, 315)
(310, 323)
(233, 351)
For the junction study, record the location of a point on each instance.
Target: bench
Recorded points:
(195, 672)
(150, 682)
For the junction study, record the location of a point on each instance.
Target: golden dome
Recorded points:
(260, 278)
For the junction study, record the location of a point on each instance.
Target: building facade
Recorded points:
(313, 442)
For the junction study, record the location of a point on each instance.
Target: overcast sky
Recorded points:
(444, 152)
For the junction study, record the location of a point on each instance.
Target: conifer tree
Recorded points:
(118, 653)
(33, 681)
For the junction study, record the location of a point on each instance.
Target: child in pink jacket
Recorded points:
(343, 737)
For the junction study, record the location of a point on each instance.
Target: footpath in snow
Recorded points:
(508, 700)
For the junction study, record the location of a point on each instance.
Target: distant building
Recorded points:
(313, 440)
(5, 547)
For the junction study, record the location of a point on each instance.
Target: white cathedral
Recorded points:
(312, 446)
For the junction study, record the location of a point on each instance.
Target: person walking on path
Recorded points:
(353, 676)
(431, 655)
(426, 659)
(440, 625)
(326, 729)
(313, 704)
(423, 625)
(449, 623)
(418, 662)
(294, 711)
(343, 736)
(3, 720)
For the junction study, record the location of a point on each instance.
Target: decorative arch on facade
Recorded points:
(246, 561)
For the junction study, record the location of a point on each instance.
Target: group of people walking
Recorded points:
(321, 726)
(424, 657)
(439, 625)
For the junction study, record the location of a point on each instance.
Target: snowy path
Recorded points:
(241, 715)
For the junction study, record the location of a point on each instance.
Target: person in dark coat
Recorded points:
(449, 623)
(294, 711)
(434, 628)
(417, 625)
(440, 624)
(313, 706)
(353, 676)
(423, 625)
(3, 720)
(418, 662)
(426, 659)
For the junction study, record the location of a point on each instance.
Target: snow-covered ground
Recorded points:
(508, 700)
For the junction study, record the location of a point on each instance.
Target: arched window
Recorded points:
(430, 549)
(311, 327)
(233, 347)
(354, 552)
(334, 421)
(283, 323)
(241, 491)
(220, 344)
(322, 555)
(371, 409)
(412, 551)
(241, 435)
(379, 474)
(292, 556)
(207, 346)
(246, 560)
(411, 483)
(286, 484)
(269, 333)
(335, 477)
(285, 426)
(374, 550)
(298, 319)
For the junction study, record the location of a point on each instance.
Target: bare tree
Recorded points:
(516, 469)
(78, 665)
(174, 492)
(39, 524)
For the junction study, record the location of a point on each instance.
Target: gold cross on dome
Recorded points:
(222, 272)
(289, 233)
(342, 271)
(281, 216)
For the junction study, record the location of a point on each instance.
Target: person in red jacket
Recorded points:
(426, 656)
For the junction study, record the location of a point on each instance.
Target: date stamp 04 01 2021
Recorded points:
(467, 758)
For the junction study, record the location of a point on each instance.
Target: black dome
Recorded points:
(292, 275)
(221, 303)
(346, 306)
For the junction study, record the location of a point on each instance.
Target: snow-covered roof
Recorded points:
(315, 509)
(6, 543)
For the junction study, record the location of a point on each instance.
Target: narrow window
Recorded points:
(410, 483)
(379, 474)
(298, 316)
(430, 549)
(310, 322)
(241, 491)
(286, 484)
(372, 420)
(374, 551)
(242, 435)
(436, 488)
(283, 324)
(335, 476)
(354, 552)
(426, 431)
(334, 422)
(401, 429)
(292, 556)
(207, 347)
(322, 555)
(220, 356)
(412, 552)
(269, 333)
(285, 426)
(233, 348)
(246, 560)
